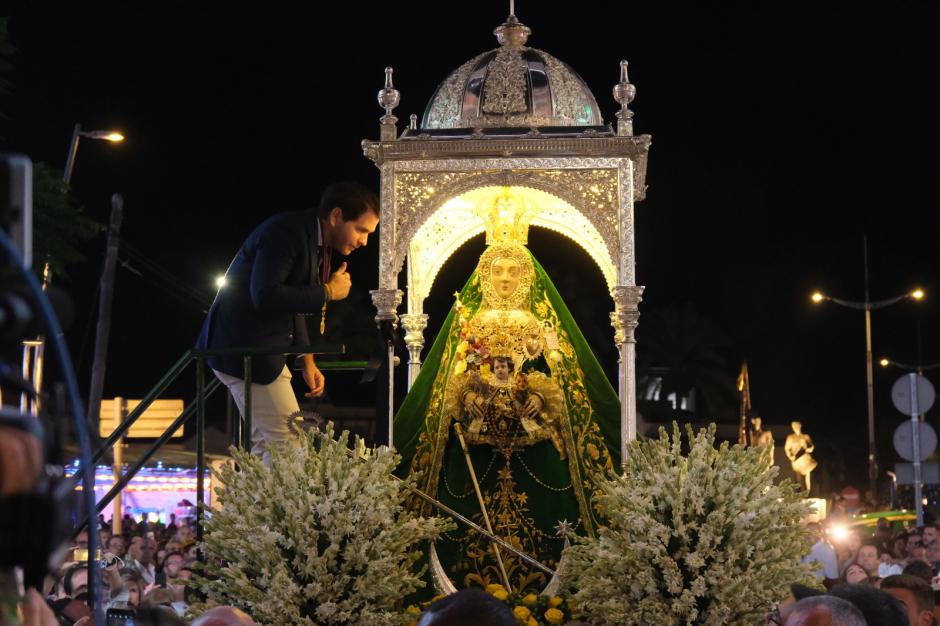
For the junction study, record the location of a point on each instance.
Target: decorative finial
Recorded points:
(624, 92)
(413, 125)
(512, 32)
(388, 98)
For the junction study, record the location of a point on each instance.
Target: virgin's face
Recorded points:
(505, 276)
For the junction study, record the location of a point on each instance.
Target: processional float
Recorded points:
(513, 124)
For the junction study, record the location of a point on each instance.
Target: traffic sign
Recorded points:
(904, 439)
(901, 394)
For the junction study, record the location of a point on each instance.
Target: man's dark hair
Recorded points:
(352, 199)
(878, 607)
(469, 607)
(920, 570)
(68, 575)
(871, 542)
(921, 590)
(157, 616)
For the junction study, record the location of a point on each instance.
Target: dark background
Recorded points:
(781, 135)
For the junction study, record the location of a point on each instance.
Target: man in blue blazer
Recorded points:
(281, 274)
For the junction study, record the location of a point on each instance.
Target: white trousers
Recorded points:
(273, 408)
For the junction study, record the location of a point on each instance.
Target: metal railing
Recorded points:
(198, 408)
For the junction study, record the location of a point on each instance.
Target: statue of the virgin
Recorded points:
(509, 422)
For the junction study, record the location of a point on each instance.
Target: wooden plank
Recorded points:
(153, 423)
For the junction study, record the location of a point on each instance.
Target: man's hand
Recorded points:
(314, 378)
(36, 612)
(339, 283)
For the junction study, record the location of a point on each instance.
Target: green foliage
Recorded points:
(60, 227)
(698, 538)
(320, 537)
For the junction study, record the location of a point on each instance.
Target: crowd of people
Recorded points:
(896, 573)
(144, 568)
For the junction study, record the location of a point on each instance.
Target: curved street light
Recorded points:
(868, 305)
(104, 135)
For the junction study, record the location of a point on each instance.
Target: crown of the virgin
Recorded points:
(506, 218)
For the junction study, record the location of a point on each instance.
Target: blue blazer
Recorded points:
(271, 284)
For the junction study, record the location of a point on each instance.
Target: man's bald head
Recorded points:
(824, 611)
(224, 616)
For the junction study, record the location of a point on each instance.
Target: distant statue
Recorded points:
(760, 437)
(798, 448)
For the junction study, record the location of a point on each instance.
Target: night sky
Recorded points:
(781, 135)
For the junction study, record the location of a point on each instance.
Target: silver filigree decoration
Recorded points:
(504, 87)
(444, 109)
(571, 99)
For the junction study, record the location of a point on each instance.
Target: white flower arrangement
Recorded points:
(698, 538)
(320, 537)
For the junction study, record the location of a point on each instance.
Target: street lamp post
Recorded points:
(34, 349)
(868, 306)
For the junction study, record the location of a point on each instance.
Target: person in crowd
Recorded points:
(224, 616)
(822, 610)
(854, 574)
(823, 554)
(848, 549)
(116, 546)
(920, 569)
(141, 553)
(913, 541)
(932, 555)
(171, 567)
(157, 616)
(930, 532)
(878, 607)
(468, 607)
(869, 557)
(915, 595)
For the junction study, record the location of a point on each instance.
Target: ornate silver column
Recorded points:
(624, 319)
(386, 303)
(414, 325)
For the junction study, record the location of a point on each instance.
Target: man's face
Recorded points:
(930, 534)
(868, 558)
(79, 581)
(914, 616)
(913, 541)
(854, 542)
(172, 565)
(346, 236)
(933, 551)
(116, 546)
(134, 548)
(145, 549)
(82, 540)
(505, 275)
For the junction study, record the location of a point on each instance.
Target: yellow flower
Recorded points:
(530, 600)
(485, 370)
(501, 595)
(494, 587)
(554, 616)
(555, 601)
(413, 610)
(461, 367)
(531, 622)
(521, 614)
(462, 347)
